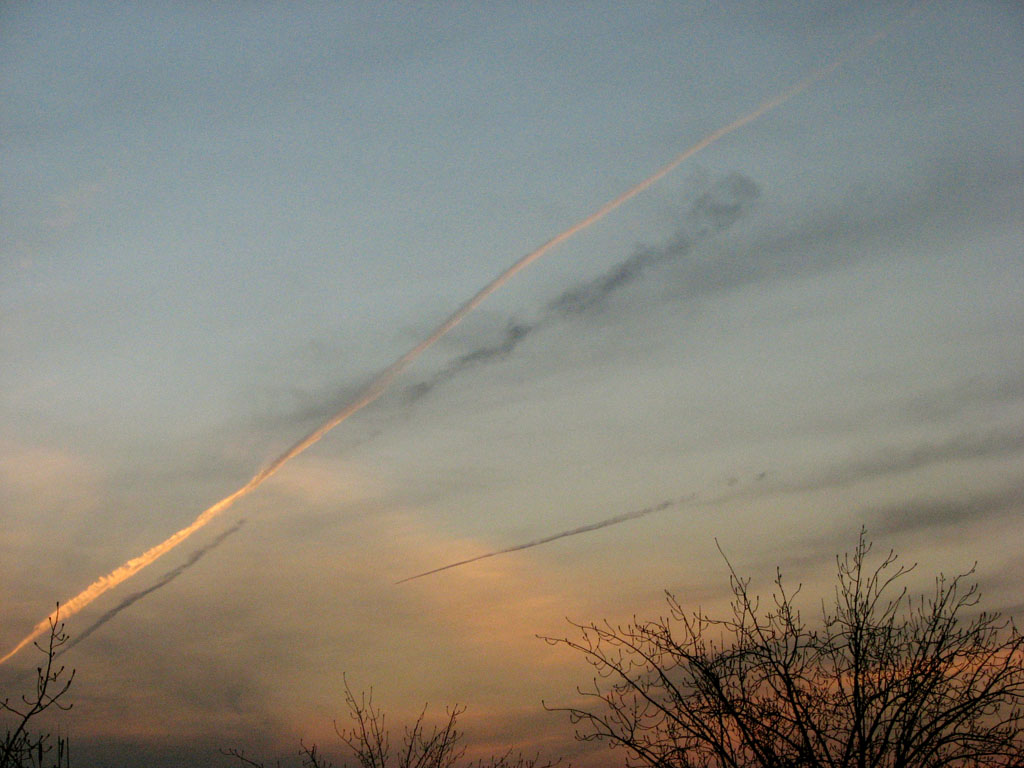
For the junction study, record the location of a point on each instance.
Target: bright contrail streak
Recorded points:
(380, 384)
(166, 579)
(625, 516)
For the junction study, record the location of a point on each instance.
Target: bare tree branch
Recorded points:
(883, 681)
(20, 748)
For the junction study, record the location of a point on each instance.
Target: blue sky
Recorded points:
(218, 222)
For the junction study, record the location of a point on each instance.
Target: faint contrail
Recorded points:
(166, 579)
(615, 520)
(380, 384)
(563, 534)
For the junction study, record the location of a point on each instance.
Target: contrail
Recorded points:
(563, 534)
(614, 520)
(380, 384)
(166, 579)
(714, 211)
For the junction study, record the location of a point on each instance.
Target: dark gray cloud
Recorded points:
(966, 195)
(897, 460)
(515, 332)
(978, 190)
(951, 400)
(916, 515)
(944, 518)
(164, 580)
(856, 228)
(712, 212)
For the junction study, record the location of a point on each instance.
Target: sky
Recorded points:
(218, 222)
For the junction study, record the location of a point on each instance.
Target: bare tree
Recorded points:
(885, 680)
(21, 746)
(368, 740)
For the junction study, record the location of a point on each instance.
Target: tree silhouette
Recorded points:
(368, 740)
(21, 747)
(885, 680)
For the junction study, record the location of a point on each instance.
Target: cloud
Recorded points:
(898, 460)
(515, 332)
(712, 212)
(917, 515)
(854, 229)
(977, 190)
(953, 399)
(954, 195)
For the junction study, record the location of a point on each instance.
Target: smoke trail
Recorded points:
(713, 211)
(514, 334)
(166, 579)
(383, 381)
(624, 517)
(731, 482)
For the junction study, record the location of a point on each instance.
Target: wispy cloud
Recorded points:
(815, 242)
(977, 190)
(916, 515)
(712, 212)
(897, 460)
